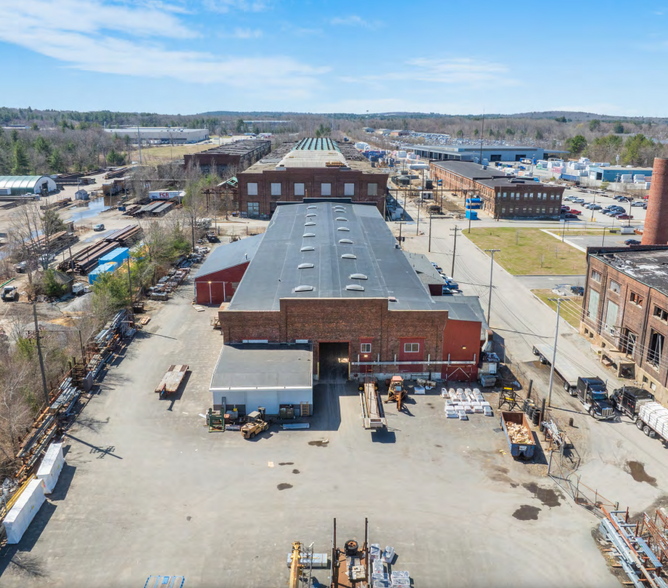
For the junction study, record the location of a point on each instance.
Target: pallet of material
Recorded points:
(172, 379)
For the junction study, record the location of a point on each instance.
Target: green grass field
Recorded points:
(568, 312)
(529, 251)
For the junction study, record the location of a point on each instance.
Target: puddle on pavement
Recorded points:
(638, 473)
(286, 463)
(527, 513)
(439, 446)
(547, 496)
(295, 471)
(319, 443)
(189, 519)
(284, 486)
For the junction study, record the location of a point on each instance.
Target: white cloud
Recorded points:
(355, 21)
(77, 32)
(240, 33)
(241, 5)
(458, 71)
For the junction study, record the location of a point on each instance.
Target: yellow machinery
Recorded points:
(396, 392)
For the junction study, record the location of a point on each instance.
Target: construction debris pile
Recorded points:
(381, 562)
(640, 548)
(519, 434)
(464, 401)
(87, 259)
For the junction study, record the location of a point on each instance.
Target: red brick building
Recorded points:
(502, 197)
(625, 311)
(330, 274)
(311, 168)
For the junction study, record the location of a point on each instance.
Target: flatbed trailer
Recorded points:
(172, 379)
(568, 374)
(372, 407)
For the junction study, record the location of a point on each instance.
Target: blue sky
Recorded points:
(447, 56)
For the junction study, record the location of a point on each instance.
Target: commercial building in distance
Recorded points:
(491, 153)
(161, 135)
(310, 168)
(236, 156)
(502, 196)
(330, 275)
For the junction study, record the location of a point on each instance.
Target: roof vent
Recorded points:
(311, 214)
(345, 242)
(340, 218)
(308, 235)
(355, 287)
(357, 277)
(349, 256)
(309, 224)
(308, 248)
(343, 229)
(311, 207)
(392, 299)
(305, 266)
(304, 289)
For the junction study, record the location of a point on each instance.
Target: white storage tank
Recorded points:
(23, 512)
(51, 466)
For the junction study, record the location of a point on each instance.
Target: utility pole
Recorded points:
(454, 249)
(129, 279)
(400, 227)
(554, 351)
(139, 143)
(491, 276)
(430, 217)
(417, 230)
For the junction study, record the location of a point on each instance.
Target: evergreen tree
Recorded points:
(21, 164)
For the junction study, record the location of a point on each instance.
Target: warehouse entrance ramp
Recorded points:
(334, 361)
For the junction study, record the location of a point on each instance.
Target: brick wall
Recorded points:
(312, 180)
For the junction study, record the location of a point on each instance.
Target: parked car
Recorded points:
(577, 290)
(10, 294)
(573, 211)
(639, 203)
(632, 242)
(569, 216)
(98, 227)
(624, 216)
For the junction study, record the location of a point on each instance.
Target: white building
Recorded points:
(166, 135)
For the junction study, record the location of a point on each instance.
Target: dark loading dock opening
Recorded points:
(334, 361)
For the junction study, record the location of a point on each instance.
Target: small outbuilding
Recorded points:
(277, 377)
(218, 277)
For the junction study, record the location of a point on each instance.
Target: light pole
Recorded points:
(454, 250)
(430, 217)
(210, 293)
(491, 276)
(554, 351)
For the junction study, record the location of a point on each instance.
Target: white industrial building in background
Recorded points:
(166, 135)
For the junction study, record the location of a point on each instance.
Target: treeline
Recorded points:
(71, 149)
(637, 150)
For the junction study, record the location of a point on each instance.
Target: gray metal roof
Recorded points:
(274, 274)
(229, 255)
(648, 266)
(257, 366)
(462, 308)
(427, 273)
(467, 169)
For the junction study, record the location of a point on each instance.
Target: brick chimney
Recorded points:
(656, 220)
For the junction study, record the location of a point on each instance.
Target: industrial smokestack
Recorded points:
(656, 220)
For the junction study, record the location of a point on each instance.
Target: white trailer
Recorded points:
(653, 420)
(563, 368)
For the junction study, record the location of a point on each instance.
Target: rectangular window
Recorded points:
(411, 347)
(545, 196)
(614, 286)
(550, 210)
(511, 210)
(655, 351)
(551, 196)
(275, 189)
(252, 188)
(592, 308)
(372, 189)
(596, 276)
(325, 189)
(300, 189)
(661, 314)
(503, 210)
(348, 189)
(543, 210)
(524, 210)
(611, 317)
(512, 195)
(505, 194)
(253, 208)
(365, 347)
(526, 195)
(637, 299)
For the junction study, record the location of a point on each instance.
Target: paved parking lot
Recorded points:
(147, 490)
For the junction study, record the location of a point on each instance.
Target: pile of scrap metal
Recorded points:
(641, 560)
(106, 341)
(167, 284)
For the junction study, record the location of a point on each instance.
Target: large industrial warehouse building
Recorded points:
(236, 156)
(330, 275)
(311, 168)
(164, 135)
(625, 307)
(25, 185)
(502, 197)
(490, 153)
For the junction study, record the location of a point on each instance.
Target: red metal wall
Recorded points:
(222, 282)
(410, 356)
(461, 341)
